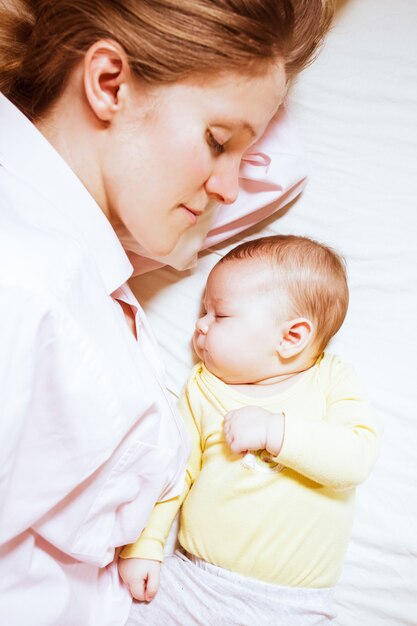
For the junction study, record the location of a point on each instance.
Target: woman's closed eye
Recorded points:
(215, 146)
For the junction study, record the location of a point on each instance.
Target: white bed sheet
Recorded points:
(356, 109)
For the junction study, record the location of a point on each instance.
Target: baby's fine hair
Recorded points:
(312, 274)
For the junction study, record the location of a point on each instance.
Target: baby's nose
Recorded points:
(202, 326)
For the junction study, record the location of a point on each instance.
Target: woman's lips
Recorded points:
(191, 213)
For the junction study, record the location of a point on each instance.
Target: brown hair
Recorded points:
(311, 274)
(165, 40)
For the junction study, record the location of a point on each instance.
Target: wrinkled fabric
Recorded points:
(195, 593)
(89, 437)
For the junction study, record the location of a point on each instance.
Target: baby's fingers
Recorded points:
(229, 439)
(229, 433)
(228, 417)
(152, 585)
(138, 590)
(141, 576)
(236, 445)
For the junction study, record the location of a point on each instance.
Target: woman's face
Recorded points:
(173, 150)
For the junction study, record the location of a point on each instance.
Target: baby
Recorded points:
(281, 436)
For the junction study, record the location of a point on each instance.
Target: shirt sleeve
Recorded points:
(26, 337)
(340, 450)
(152, 540)
(72, 469)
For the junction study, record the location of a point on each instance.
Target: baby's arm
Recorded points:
(338, 451)
(140, 562)
(254, 428)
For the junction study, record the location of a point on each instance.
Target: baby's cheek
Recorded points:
(197, 350)
(225, 353)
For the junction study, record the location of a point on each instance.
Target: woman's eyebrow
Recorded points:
(246, 126)
(243, 125)
(239, 125)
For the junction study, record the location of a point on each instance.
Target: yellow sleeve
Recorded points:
(340, 450)
(151, 542)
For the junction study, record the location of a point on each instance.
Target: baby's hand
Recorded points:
(254, 428)
(141, 576)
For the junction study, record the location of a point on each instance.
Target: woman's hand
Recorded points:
(141, 576)
(254, 428)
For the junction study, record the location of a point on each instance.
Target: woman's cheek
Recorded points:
(197, 162)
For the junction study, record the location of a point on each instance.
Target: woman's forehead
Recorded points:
(245, 103)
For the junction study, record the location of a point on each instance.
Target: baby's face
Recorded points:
(238, 333)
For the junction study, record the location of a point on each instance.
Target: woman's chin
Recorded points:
(160, 249)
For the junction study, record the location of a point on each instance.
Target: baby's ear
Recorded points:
(295, 335)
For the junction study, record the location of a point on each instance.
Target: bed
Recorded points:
(356, 111)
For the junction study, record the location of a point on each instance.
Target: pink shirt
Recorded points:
(89, 437)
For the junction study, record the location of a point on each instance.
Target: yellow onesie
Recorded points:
(284, 520)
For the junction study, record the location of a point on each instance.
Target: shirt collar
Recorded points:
(26, 153)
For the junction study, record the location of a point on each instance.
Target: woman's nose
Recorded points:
(223, 184)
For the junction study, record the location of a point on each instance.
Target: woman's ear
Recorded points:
(295, 335)
(106, 72)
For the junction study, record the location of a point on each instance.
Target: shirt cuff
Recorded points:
(143, 549)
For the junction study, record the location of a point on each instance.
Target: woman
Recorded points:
(128, 117)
